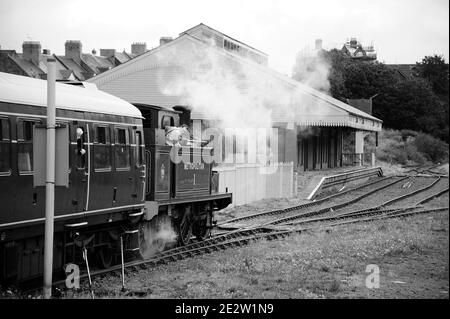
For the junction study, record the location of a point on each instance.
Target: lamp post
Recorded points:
(49, 180)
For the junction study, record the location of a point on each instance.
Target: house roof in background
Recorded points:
(405, 70)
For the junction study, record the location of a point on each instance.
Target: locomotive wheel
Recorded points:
(104, 255)
(202, 228)
(185, 229)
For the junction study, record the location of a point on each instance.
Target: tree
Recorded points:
(410, 104)
(436, 71)
(419, 104)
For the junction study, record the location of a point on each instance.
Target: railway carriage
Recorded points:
(121, 183)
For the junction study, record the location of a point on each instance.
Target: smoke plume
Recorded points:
(236, 93)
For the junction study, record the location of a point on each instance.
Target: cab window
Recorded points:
(167, 121)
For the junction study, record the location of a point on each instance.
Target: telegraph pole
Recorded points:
(50, 179)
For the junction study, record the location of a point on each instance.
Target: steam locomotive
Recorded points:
(118, 184)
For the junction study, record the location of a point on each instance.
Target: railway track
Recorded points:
(319, 201)
(386, 181)
(283, 226)
(340, 210)
(357, 195)
(246, 236)
(432, 190)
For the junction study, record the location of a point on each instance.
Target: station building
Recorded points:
(310, 124)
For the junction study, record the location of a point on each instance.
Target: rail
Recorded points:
(343, 178)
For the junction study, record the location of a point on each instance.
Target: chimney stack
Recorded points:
(32, 51)
(318, 44)
(73, 50)
(138, 48)
(107, 53)
(164, 40)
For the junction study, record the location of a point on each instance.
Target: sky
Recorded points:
(403, 31)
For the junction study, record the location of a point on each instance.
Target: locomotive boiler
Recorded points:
(121, 180)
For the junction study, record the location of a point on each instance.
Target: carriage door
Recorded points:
(79, 176)
(139, 157)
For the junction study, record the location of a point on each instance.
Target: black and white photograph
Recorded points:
(224, 156)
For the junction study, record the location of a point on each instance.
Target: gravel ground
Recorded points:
(411, 255)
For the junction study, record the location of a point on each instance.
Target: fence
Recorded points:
(252, 182)
(355, 159)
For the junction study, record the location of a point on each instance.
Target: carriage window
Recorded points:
(167, 121)
(102, 152)
(25, 145)
(80, 151)
(5, 146)
(139, 149)
(122, 148)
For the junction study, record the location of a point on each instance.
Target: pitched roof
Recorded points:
(97, 63)
(405, 70)
(28, 67)
(66, 68)
(344, 114)
(201, 25)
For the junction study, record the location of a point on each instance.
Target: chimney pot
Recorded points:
(164, 40)
(73, 50)
(32, 51)
(138, 48)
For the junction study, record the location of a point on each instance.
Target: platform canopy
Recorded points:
(192, 72)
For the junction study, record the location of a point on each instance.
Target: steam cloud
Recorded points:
(164, 236)
(237, 94)
(312, 69)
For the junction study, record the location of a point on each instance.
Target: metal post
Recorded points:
(122, 263)
(50, 179)
(85, 257)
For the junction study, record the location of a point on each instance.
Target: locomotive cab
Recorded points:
(178, 179)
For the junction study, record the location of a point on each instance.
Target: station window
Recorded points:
(25, 145)
(122, 148)
(102, 145)
(5, 146)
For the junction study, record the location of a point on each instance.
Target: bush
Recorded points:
(414, 155)
(407, 147)
(391, 147)
(431, 148)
